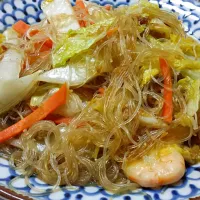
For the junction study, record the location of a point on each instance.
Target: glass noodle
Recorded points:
(108, 132)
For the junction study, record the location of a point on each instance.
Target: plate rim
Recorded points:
(7, 193)
(11, 194)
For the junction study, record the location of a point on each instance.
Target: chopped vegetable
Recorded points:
(2, 39)
(191, 91)
(149, 120)
(191, 154)
(74, 76)
(147, 75)
(42, 94)
(61, 14)
(158, 29)
(11, 36)
(44, 46)
(184, 119)
(14, 91)
(111, 31)
(186, 64)
(33, 32)
(21, 27)
(194, 74)
(10, 65)
(153, 12)
(79, 70)
(101, 90)
(187, 44)
(36, 100)
(39, 57)
(168, 104)
(108, 7)
(80, 40)
(58, 99)
(81, 6)
(72, 106)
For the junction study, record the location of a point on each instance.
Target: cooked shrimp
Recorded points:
(159, 167)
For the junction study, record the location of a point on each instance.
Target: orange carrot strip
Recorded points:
(108, 7)
(33, 32)
(111, 31)
(82, 23)
(21, 27)
(58, 99)
(57, 119)
(65, 120)
(168, 102)
(80, 5)
(33, 58)
(101, 90)
(46, 46)
(48, 43)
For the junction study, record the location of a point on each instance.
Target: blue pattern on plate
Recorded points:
(189, 186)
(30, 12)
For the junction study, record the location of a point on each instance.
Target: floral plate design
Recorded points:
(15, 184)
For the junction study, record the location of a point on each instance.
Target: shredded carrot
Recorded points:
(111, 31)
(44, 46)
(21, 27)
(58, 99)
(33, 32)
(57, 119)
(80, 5)
(65, 120)
(82, 23)
(44, 51)
(23, 67)
(32, 58)
(108, 7)
(101, 91)
(168, 102)
(48, 43)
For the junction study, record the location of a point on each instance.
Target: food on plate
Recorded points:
(100, 95)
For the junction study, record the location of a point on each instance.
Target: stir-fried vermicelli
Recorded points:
(101, 95)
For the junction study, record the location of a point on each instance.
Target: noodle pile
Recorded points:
(108, 132)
